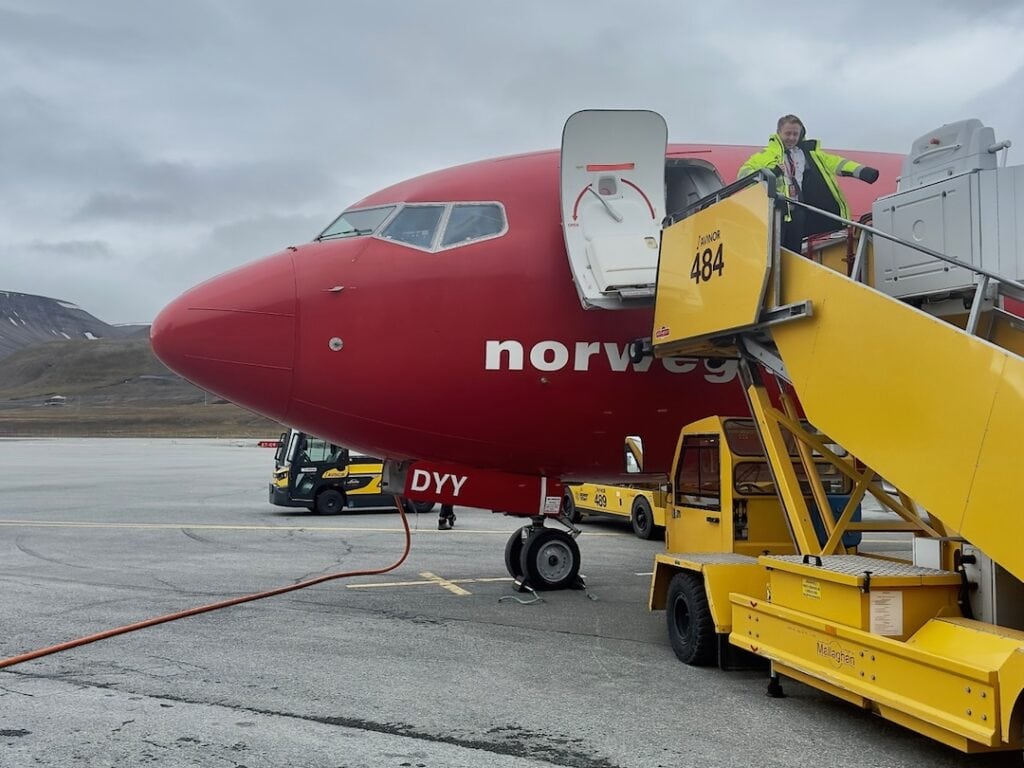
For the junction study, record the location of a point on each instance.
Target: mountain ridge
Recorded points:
(27, 319)
(105, 378)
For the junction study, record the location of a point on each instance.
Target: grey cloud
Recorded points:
(112, 32)
(185, 138)
(174, 192)
(173, 270)
(136, 209)
(87, 273)
(69, 251)
(271, 233)
(55, 35)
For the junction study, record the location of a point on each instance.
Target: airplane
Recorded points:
(474, 326)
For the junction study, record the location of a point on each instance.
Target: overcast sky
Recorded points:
(146, 146)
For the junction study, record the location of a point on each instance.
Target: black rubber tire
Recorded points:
(330, 502)
(637, 351)
(513, 552)
(690, 627)
(569, 508)
(550, 560)
(642, 518)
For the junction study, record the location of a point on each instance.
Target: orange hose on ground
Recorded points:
(10, 662)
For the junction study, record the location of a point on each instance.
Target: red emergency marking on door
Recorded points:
(598, 167)
(576, 205)
(642, 194)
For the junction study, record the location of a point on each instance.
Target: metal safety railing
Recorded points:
(746, 181)
(719, 194)
(856, 271)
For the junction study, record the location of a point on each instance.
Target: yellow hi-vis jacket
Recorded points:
(818, 186)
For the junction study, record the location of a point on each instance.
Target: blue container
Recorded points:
(838, 504)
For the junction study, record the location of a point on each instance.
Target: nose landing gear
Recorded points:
(543, 558)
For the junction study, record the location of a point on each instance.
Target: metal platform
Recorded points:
(710, 558)
(857, 565)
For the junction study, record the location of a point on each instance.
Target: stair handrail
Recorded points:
(900, 241)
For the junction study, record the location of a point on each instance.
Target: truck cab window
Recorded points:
(317, 449)
(697, 481)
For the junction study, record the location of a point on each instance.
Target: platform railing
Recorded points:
(856, 272)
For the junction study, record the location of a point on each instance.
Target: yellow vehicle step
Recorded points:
(955, 680)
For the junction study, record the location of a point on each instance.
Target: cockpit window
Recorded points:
(429, 226)
(472, 222)
(355, 223)
(415, 225)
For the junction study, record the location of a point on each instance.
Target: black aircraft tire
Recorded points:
(550, 559)
(513, 552)
(691, 630)
(330, 502)
(642, 518)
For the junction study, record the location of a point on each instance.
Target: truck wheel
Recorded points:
(637, 351)
(330, 502)
(513, 553)
(690, 628)
(642, 518)
(569, 508)
(550, 559)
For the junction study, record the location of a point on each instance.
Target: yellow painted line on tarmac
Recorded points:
(215, 527)
(445, 583)
(429, 579)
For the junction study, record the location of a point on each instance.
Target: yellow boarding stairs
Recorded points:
(934, 408)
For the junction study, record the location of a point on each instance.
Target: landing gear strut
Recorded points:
(543, 558)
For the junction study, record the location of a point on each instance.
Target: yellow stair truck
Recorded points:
(903, 362)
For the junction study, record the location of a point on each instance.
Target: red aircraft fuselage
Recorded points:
(478, 355)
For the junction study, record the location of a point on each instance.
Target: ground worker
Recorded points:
(446, 518)
(805, 172)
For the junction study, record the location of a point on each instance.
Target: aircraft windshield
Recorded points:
(415, 225)
(473, 222)
(356, 223)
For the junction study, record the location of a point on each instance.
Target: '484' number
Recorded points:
(706, 263)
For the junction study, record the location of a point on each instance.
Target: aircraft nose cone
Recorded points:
(234, 335)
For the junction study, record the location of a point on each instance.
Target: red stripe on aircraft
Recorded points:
(611, 166)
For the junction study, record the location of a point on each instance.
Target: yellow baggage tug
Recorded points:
(917, 374)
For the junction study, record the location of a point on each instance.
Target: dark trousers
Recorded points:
(793, 230)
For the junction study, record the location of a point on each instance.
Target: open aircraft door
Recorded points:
(613, 203)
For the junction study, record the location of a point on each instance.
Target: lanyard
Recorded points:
(794, 185)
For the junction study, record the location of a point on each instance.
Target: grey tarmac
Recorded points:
(436, 664)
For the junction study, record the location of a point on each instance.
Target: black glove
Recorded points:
(868, 174)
